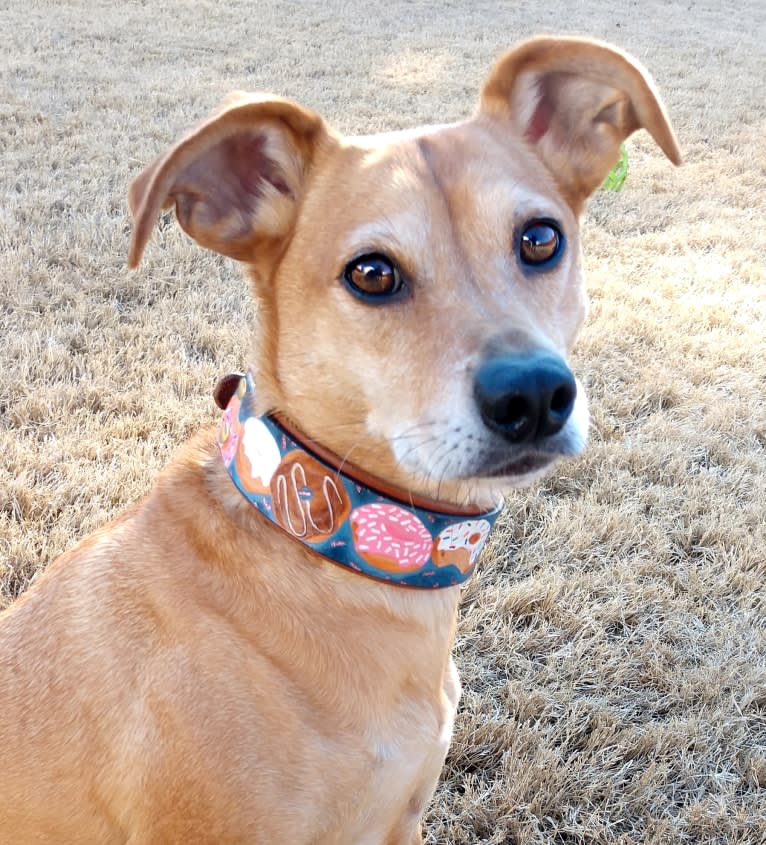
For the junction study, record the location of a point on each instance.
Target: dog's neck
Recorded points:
(341, 513)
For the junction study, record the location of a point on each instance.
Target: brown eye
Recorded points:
(373, 276)
(541, 242)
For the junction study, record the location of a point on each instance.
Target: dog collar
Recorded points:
(367, 529)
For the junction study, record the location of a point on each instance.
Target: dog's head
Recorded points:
(418, 291)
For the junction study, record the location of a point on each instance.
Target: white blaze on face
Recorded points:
(261, 450)
(454, 448)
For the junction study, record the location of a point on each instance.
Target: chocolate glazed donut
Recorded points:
(310, 502)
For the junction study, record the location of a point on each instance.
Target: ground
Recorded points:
(613, 646)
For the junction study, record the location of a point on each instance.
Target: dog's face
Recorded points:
(419, 291)
(394, 306)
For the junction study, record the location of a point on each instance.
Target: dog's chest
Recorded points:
(406, 759)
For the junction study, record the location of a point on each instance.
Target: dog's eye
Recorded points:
(373, 276)
(540, 243)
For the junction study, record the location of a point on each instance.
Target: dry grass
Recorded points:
(613, 647)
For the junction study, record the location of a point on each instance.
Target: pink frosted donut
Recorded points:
(228, 432)
(390, 538)
(460, 544)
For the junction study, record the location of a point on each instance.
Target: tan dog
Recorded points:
(191, 674)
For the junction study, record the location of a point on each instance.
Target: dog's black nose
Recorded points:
(525, 396)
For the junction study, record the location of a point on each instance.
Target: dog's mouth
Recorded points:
(524, 465)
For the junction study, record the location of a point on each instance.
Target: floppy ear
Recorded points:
(235, 180)
(575, 101)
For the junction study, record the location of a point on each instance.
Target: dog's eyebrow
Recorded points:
(405, 229)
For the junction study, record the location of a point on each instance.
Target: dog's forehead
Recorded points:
(465, 175)
(450, 153)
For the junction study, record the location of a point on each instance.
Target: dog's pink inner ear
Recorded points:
(574, 101)
(576, 125)
(235, 181)
(219, 195)
(576, 109)
(540, 120)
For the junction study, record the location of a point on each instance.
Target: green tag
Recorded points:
(617, 175)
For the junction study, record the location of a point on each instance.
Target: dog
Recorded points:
(260, 650)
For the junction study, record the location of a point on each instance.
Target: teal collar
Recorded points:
(384, 536)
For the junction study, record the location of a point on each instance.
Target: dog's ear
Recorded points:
(234, 181)
(575, 101)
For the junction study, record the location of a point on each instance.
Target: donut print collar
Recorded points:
(336, 514)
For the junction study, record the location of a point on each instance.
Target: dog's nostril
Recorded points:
(562, 399)
(517, 415)
(516, 409)
(557, 410)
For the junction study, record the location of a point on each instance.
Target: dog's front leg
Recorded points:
(417, 838)
(409, 838)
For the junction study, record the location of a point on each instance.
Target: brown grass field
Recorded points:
(613, 646)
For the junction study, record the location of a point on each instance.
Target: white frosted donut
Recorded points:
(261, 453)
(460, 544)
